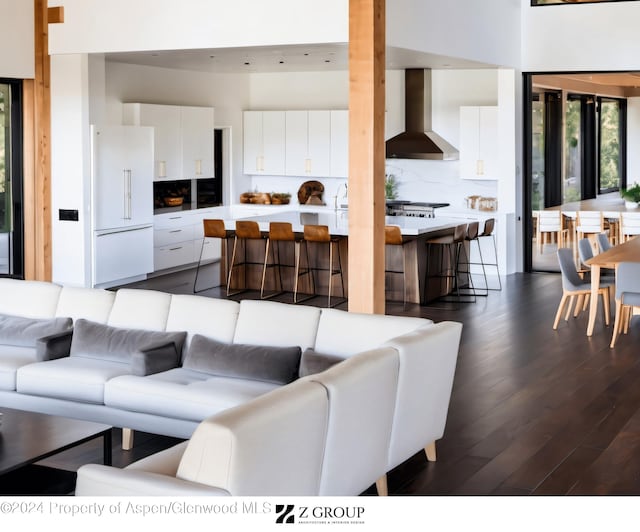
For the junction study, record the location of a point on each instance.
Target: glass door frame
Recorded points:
(16, 246)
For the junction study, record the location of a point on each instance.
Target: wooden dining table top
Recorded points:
(628, 251)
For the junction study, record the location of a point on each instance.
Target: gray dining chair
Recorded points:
(627, 297)
(603, 242)
(575, 289)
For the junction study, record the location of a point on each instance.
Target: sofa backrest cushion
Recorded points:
(90, 303)
(140, 309)
(16, 330)
(118, 344)
(214, 318)
(30, 299)
(347, 333)
(362, 392)
(278, 365)
(272, 445)
(278, 324)
(428, 359)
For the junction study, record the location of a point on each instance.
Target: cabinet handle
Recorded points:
(176, 231)
(307, 166)
(175, 249)
(175, 218)
(198, 166)
(480, 167)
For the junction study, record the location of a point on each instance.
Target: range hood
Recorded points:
(418, 141)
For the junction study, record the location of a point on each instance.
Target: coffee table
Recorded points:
(28, 437)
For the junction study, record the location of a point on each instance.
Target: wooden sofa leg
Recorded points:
(127, 439)
(381, 486)
(430, 451)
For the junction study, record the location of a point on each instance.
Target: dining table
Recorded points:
(628, 251)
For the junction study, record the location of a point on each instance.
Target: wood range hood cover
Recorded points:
(419, 141)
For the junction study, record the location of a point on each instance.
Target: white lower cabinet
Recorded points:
(173, 255)
(177, 240)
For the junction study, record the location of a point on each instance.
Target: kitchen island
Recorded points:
(415, 231)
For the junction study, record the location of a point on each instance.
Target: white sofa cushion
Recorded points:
(348, 333)
(428, 359)
(278, 324)
(90, 303)
(182, 394)
(31, 299)
(72, 378)
(270, 446)
(140, 309)
(214, 318)
(11, 358)
(362, 392)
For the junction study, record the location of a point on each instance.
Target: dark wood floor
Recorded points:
(533, 410)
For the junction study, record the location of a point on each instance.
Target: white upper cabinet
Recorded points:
(300, 143)
(308, 143)
(264, 142)
(479, 142)
(339, 143)
(197, 142)
(183, 139)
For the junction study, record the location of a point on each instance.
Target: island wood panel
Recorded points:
(249, 275)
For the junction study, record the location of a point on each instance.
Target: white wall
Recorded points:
(16, 39)
(70, 169)
(131, 25)
(488, 32)
(580, 37)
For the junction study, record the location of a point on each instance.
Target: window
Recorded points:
(565, 2)
(611, 146)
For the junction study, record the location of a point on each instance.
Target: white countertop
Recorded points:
(336, 220)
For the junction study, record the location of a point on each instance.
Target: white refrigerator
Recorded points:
(122, 203)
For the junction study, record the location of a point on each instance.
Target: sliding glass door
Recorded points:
(11, 235)
(575, 150)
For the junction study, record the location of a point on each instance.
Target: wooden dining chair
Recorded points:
(629, 225)
(550, 225)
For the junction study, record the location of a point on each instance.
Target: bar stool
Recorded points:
(278, 232)
(319, 235)
(472, 235)
(213, 229)
(393, 237)
(449, 262)
(246, 230)
(488, 232)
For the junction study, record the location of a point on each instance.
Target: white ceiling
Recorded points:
(307, 58)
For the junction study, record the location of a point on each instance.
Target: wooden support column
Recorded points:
(366, 155)
(37, 151)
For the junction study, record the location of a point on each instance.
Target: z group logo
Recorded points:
(286, 514)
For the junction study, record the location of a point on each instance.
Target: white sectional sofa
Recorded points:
(262, 382)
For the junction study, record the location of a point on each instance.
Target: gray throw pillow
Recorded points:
(278, 365)
(24, 332)
(312, 362)
(118, 344)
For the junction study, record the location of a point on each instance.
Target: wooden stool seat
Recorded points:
(213, 228)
